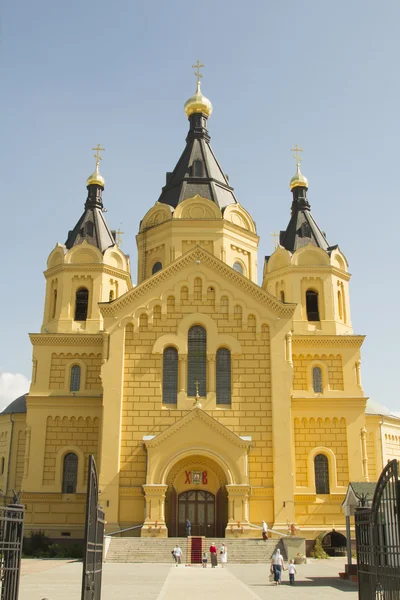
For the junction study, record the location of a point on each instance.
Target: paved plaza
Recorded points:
(61, 580)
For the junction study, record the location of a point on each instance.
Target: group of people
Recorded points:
(278, 565)
(223, 552)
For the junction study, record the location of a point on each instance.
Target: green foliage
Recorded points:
(39, 546)
(318, 551)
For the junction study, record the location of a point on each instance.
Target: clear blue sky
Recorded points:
(324, 75)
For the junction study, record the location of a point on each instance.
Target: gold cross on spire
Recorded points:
(97, 155)
(119, 233)
(198, 66)
(296, 150)
(275, 235)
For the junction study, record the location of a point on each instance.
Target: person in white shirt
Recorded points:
(223, 555)
(264, 530)
(292, 572)
(177, 555)
(277, 565)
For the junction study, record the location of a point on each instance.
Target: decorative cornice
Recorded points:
(95, 267)
(264, 492)
(131, 491)
(66, 339)
(355, 341)
(331, 499)
(198, 253)
(303, 269)
(51, 496)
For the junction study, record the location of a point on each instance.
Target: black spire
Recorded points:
(302, 229)
(92, 225)
(197, 171)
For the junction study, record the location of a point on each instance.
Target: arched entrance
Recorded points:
(334, 543)
(199, 507)
(196, 491)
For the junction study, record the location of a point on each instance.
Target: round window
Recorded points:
(238, 267)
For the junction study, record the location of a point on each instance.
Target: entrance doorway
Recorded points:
(199, 507)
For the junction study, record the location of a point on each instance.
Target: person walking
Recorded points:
(264, 531)
(213, 555)
(292, 572)
(177, 554)
(223, 555)
(277, 565)
(188, 528)
(204, 560)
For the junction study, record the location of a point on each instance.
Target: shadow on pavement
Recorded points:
(326, 582)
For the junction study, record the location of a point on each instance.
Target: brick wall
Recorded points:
(250, 412)
(301, 370)
(64, 433)
(312, 433)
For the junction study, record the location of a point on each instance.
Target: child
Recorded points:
(292, 572)
(204, 561)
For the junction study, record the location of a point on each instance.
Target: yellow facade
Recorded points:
(253, 457)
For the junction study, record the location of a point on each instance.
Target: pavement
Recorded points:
(61, 580)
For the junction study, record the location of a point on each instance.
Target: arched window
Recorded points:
(305, 230)
(111, 296)
(197, 360)
(238, 267)
(223, 373)
(317, 380)
(170, 376)
(89, 228)
(312, 305)
(321, 468)
(53, 314)
(70, 473)
(340, 305)
(75, 382)
(282, 296)
(198, 168)
(156, 267)
(81, 304)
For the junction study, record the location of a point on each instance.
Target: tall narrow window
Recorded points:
(156, 267)
(170, 376)
(197, 360)
(312, 305)
(89, 228)
(282, 296)
(53, 313)
(223, 376)
(75, 382)
(81, 304)
(317, 380)
(70, 473)
(111, 296)
(321, 468)
(198, 168)
(3, 462)
(340, 305)
(238, 267)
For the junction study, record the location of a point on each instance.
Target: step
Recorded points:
(134, 549)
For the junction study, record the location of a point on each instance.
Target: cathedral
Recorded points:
(202, 393)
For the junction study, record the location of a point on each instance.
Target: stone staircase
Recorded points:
(153, 550)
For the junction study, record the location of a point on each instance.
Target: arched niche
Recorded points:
(197, 208)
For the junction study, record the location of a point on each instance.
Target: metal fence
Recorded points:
(378, 540)
(94, 536)
(11, 538)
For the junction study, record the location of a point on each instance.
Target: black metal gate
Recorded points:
(11, 537)
(94, 534)
(378, 540)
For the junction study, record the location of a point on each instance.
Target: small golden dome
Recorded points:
(298, 180)
(198, 103)
(95, 178)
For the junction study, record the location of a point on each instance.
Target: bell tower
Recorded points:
(88, 269)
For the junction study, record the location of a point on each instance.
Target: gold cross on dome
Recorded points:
(196, 383)
(198, 66)
(97, 155)
(296, 150)
(119, 233)
(275, 235)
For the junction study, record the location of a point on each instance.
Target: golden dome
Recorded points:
(198, 103)
(298, 180)
(95, 178)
